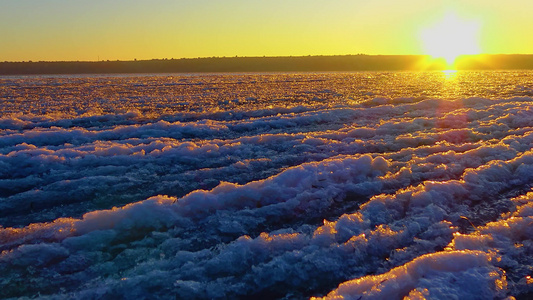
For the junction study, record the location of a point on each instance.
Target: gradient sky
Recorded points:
(146, 29)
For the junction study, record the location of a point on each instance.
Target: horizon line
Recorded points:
(251, 56)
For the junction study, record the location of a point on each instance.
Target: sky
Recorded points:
(59, 30)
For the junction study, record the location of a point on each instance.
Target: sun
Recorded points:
(451, 37)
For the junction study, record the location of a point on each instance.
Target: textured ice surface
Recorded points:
(348, 186)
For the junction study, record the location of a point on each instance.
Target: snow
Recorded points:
(343, 186)
(444, 275)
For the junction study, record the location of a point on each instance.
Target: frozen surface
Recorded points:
(344, 186)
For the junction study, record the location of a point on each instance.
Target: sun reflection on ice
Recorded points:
(449, 74)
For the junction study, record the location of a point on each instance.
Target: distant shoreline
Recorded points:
(271, 64)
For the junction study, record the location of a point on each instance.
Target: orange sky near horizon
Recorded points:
(67, 30)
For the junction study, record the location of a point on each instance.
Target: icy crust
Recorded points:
(390, 197)
(226, 211)
(108, 166)
(306, 186)
(490, 263)
(153, 241)
(100, 98)
(443, 275)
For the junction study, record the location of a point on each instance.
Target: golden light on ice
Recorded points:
(451, 37)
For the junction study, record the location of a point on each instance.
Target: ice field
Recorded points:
(367, 185)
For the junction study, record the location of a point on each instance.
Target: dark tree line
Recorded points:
(268, 64)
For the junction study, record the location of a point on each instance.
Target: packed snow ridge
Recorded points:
(342, 186)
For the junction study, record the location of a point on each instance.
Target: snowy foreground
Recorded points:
(344, 186)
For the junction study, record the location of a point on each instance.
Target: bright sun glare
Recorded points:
(451, 37)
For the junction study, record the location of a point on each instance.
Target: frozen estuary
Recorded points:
(264, 186)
